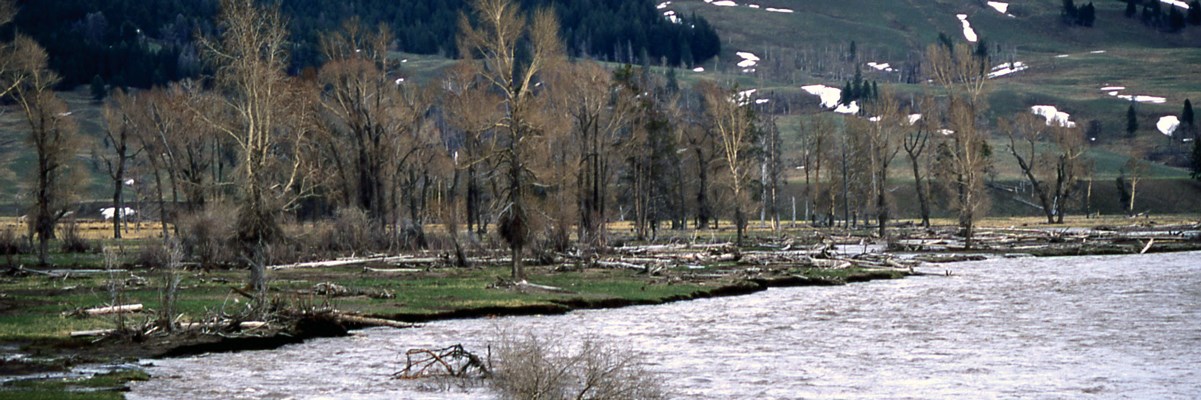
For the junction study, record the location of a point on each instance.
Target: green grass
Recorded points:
(105, 386)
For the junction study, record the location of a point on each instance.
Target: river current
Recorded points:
(1071, 327)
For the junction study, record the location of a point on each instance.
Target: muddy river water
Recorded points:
(1094, 327)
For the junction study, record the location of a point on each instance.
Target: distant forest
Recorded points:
(142, 43)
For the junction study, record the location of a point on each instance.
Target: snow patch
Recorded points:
(1097, 52)
(762, 101)
(779, 10)
(1053, 116)
(753, 6)
(1112, 88)
(698, 69)
(662, 5)
(852, 108)
(1167, 125)
(829, 96)
(1144, 98)
(999, 6)
(880, 66)
(109, 212)
(748, 60)
(1006, 69)
(724, 3)
(1062, 56)
(1176, 3)
(913, 118)
(968, 32)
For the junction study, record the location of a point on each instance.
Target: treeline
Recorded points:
(1165, 17)
(140, 44)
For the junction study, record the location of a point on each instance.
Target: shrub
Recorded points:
(12, 245)
(531, 367)
(206, 235)
(72, 242)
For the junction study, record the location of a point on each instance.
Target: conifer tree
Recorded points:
(1131, 10)
(1131, 121)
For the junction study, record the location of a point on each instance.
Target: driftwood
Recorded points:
(247, 325)
(128, 308)
(92, 333)
(451, 361)
(368, 321)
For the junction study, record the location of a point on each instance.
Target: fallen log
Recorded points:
(247, 325)
(128, 308)
(93, 333)
(368, 321)
(391, 270)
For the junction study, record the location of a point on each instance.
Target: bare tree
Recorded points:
(1133, 172)
(884, 142)
(816, 136)
(262, 113)
(733, 121)
(917, 139)
(599, 109)
(963, 75)
(1054, 168)
(53, 135)
(495, 36)
(118, 137)
(369, 112)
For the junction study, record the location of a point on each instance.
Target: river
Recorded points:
(1097, 327)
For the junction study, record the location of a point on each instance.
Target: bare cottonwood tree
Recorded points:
(261, 113)
(1132, 172)
(733, 121)
(1051, 158)
(599, 110)
(119, 139)
(494, 33)
(963, 76)
(915, 143)
(53, 135)
(884, 142)
(369, 110)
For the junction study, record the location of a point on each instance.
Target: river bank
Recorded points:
(375, 288)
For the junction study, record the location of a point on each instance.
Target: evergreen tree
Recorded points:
(99, 91)
(1188, 127)
(1194, 13)
(1131, 121)
(1087, 15)
(1131, 9)
(1069, 12)
(1175, 19)
(848, 94)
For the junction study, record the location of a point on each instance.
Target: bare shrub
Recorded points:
(532, 367)
(353, 231)
(72, 241)
(205, 236)
(170, 277)
(12, 245)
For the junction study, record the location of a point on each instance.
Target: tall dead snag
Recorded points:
(262, 113)
(964, 152)
(493, 34)
(915, 142)
(1050, 155)
(883, 144)
(733, 120)
(53, 136)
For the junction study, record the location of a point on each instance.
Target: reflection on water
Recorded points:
(1125, 326)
